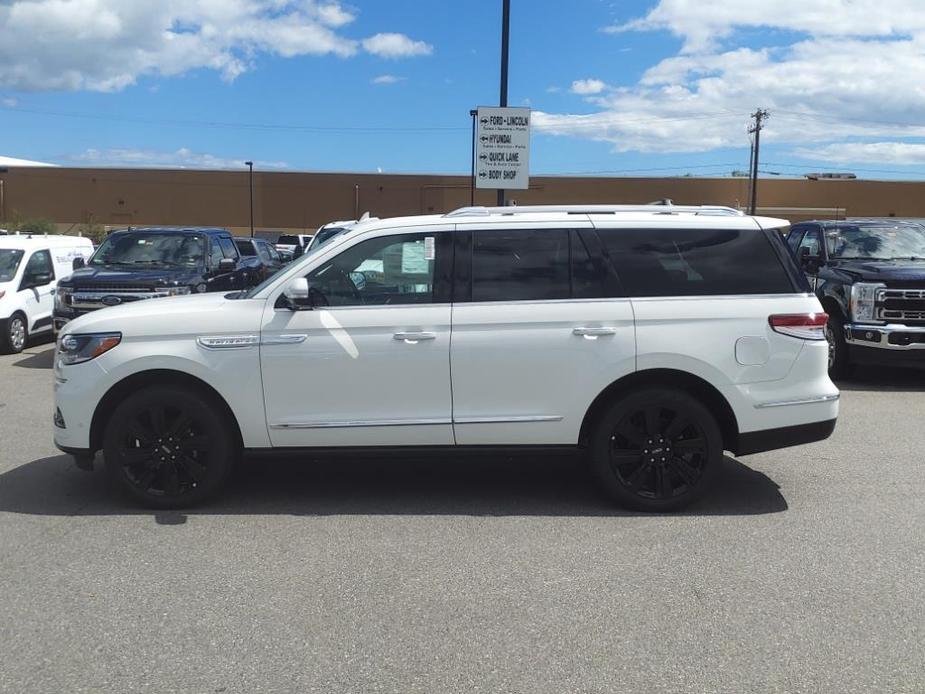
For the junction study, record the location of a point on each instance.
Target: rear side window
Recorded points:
(520, 265)
(246, 247)
(695, 262)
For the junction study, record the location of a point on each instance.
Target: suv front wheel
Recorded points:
(169, 447)
(656, 450)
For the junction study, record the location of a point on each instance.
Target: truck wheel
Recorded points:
(169, 447)
(656, 450)
(839, 365)
(13, 339)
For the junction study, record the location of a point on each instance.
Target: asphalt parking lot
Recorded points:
(804, 572)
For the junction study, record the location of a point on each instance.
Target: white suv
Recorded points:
(653, 338)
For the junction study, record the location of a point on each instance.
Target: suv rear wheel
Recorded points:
(169, 447)
(656, 449)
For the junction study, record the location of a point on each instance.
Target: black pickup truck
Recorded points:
(148, 263)
(870, 277)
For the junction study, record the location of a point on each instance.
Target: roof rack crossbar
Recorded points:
(718, 210)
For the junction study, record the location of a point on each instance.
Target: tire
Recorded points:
(632, 434)
(169, 447)
(15, 335)
(839, 363)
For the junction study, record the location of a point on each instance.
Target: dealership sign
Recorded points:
(502, 148)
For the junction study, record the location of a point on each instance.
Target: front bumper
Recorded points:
(892, 336)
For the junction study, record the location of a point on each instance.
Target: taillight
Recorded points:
(806, 326)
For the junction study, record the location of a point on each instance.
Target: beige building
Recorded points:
(303, 201)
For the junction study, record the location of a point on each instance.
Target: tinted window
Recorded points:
(245, 247)
(289, 240)
(592, 276)
(216, 255)
(520, 265)
(396, 269)
(699, 262)
(793, 240)
(263, 252)
(39, 264)
(228, 247)
(812, 242)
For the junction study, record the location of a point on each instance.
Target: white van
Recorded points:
(30, 267)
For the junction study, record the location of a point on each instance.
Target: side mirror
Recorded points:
(297, 294)
(78, 263)
(227, 265)
(810, 263)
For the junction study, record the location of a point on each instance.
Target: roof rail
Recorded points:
(658, 208)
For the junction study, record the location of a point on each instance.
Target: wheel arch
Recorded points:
(142, 379)
(667, 378)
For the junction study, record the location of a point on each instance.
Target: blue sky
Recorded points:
(654, 87)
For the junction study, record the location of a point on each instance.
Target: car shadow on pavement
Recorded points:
(37, 360)
(483, 486)
(883, 379)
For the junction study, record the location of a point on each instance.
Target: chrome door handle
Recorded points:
(594, 332)
(412, 338)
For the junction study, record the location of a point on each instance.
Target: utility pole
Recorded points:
(505, 41)
(250, 184)
(759, 115)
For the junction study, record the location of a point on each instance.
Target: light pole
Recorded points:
(250, 184)
(505, 41)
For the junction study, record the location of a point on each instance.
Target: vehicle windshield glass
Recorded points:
(155, 249)
(289, 240)
(880, 242)
(9, 263)
(325, 235)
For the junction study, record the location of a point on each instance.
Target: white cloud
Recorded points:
(553, 89)
(387, 79)
(830, 71)
(895, 153)
(585, 87)
(9, 102)
(106, 45)
(396, 46)
(182, 158)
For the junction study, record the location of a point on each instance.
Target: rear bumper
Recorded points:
(784, 437)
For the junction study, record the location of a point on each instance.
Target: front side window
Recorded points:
(811, 242)
(9, 263)
(794, 238)
(520, 265)
(228, 248)
(151, 249)
(262, 252)
(876, 241)
(388, 270)
(695, 262)
(38, 268)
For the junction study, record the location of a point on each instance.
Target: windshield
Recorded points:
(325, 235)
(9, 263)
(157, 249)
(880, 242)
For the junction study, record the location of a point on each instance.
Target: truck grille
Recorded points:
(100, 296)
(902, 305)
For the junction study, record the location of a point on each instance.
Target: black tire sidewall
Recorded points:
(841, 366)
(222, 455)
(669, 398)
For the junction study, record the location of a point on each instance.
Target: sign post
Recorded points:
(502, 148)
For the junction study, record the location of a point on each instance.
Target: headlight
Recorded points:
(173, 291)
(864, 301)
(61, 297)
(76, 349)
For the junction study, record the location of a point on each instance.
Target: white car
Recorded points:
(652, 338)
(289, 242)
(30, 267)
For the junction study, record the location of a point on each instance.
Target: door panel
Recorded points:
(527, 369)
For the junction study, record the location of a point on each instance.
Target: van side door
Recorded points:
(36, 289)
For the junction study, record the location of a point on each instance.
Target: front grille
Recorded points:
(902, 305)
(98, 296)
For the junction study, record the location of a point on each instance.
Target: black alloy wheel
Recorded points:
(657, 450)
(168, 447)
